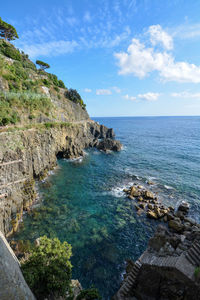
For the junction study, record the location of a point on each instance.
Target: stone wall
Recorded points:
(12, 283)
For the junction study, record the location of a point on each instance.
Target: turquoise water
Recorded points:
(82, 201)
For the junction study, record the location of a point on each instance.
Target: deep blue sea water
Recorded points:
(82, 201)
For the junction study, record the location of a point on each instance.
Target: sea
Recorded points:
(82, 201)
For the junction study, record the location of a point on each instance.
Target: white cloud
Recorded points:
(50, 48)
(146, 96)
(103, 92)
(132, 98)
(149, 96)
(140, 60)
(86, 90)
(159, 36)
(186, 94)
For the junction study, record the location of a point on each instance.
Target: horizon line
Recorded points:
(149, 116)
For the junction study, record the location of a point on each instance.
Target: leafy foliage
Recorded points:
(42, 65)
(48, 269)
(7, 31)
(54, 79)
(10, 51)
(89, 294)
(74, 96)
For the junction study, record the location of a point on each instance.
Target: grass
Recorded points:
(13, 104)
(40, 126)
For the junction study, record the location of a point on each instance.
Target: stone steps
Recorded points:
(193, 254)
(130, 281)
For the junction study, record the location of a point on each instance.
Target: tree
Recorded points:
(42, 65)
(73, 95)
(7, 31)
(48, 269)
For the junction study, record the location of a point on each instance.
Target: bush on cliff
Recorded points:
(10, 51)
(74, 96)
(48, 269)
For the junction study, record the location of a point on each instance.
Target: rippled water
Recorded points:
(83, 202)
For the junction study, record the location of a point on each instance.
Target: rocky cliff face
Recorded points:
(26, 155)
(12, 283)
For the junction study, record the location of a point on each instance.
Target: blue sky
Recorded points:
(125, 57)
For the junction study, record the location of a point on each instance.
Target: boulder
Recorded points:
(109, 144)
(134, 192)
(140, 198)
(150, 206)
(184, 207)
(151, 214)
(176, 225)
(148, 195)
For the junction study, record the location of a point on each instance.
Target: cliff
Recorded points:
(40, 120)
(26, 155)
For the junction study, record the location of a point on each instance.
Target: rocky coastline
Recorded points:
(30, 154)
(169, 267)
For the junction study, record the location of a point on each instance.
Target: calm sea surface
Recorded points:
(82, 201)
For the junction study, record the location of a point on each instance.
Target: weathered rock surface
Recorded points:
(12, 283)
(109, 144)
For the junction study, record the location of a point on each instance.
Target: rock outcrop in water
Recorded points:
(169, 268)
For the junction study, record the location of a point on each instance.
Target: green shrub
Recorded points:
(61, 84)
(29, 65)
(28, 85)
(75, 97)
(10, 51)
(46, 82)
(55, 81)
(56, 88)
(89, 294)
(9, 76)
(48, 269)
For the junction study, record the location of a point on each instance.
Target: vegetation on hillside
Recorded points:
(23, 85)
(13, 105)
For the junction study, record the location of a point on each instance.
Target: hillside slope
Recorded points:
(29, 95)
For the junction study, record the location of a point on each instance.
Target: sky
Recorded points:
(125, 57)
